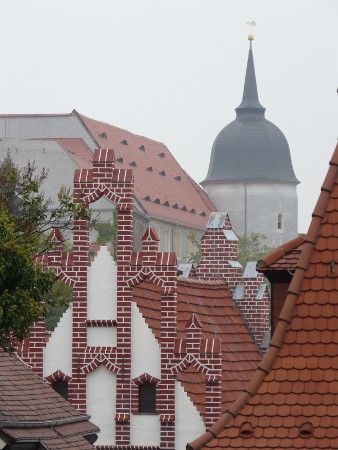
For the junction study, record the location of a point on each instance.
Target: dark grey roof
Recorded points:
(250, 147)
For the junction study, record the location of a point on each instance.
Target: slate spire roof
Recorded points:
(250, 93)
(291, 401)
(250, 148)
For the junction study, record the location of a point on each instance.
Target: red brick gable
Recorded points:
(291, 401)
(220, 321)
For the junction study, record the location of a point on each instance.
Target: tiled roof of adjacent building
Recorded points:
(165, 190)
(31, 411)
(292, 400)
(211, 305)
(284, 257)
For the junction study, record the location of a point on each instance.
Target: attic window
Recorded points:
(184, 208)
(61, 387)
(203, 214)
(119, 160)
(142, 148)
(162, 173)
(161, 155)
(150, 169)
(157, 201)
(306, 430)
(166, 204)
(178, 178)
(147, 198)
(133, 164)
(124, 142)
(147, 398)
(175, 206)
(193, 211)
(103, 135)
(246, 430)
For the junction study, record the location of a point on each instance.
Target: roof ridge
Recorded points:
(284, 320)
(280, 251)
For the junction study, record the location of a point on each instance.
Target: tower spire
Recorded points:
(250, 102)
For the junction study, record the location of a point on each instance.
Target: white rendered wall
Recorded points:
(145, 350)
(145, 429)
(57, 355)
(101, 391)
(188, 422)
(101, 302)
(263, 202)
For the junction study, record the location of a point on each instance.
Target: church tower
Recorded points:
(250, 173)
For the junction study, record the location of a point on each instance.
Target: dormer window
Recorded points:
(103, 135)
(124, 142)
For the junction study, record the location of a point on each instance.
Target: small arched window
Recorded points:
(147, 398)
(280, 221)
(61, 387)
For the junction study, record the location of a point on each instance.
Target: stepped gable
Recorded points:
(34, 414)
(160, 182)
(291, 401)
(211, 303)
(284, 257)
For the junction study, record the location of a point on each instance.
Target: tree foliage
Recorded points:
(195, 255)
(107, 232)
(26, 220)
(252, 248)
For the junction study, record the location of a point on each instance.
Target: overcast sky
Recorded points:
(174, 71)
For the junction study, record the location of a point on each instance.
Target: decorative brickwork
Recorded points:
(182, 350)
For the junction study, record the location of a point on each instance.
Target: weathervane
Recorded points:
(251, 25)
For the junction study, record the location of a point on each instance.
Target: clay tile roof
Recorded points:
(152, 183)
(284, 257)
(220, 321)
(296, 383)
(32, 411)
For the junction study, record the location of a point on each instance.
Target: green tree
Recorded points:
(107, 232)
(252, 248)
(195, 255)
(26, 220)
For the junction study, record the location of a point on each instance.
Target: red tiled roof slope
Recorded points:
(295, 388)
(284, 257)
(31, 410)
(215, 310)
(157, 175)
(77, 149)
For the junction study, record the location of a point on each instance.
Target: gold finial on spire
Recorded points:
(250, 35)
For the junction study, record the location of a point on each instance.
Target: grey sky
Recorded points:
(174, 71)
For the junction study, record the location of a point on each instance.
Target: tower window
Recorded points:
(147, 398)
(280, 221)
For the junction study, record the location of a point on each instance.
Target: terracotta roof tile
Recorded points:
(184, 192)
(211, 302)
(284, 257)
(297, 401)
(31, 410)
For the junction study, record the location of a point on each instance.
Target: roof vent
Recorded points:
(157, 201)
(166, 204)
(175, 206)
(150, 169)
(124, 142)
(193, 211)
(246, 430)
(103, 135)
(306, 430)
(161, 155)
(184, 208)
(147, 198)
(162, 173)
(142, 148)
(119, 160)
(178, 178)
(203, 214)
(133, 164)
